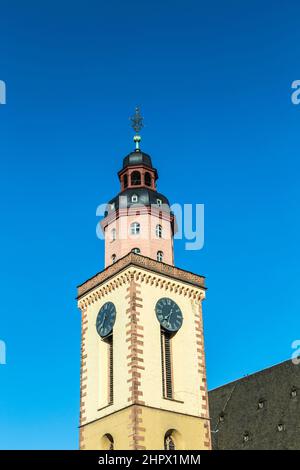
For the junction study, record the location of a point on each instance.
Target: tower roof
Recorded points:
(145, 197)
(137, 157)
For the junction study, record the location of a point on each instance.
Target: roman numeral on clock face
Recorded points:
(169, 314)
(106, 319)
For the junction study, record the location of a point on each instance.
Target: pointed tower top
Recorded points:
(137, 125)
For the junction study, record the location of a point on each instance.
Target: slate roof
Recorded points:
(137, 157)
(146, 197)
(259, 411)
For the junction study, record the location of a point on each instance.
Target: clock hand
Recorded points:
(168, 316)
(104, 318)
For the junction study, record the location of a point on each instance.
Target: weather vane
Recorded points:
(137, 125)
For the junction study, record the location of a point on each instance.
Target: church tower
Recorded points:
(143, 378)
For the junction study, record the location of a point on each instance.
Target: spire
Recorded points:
(137, 125)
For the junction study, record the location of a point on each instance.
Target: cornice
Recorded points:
(143, 269)
(138, 166)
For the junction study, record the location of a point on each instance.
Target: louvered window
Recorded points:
(110, 371)
(166, 364)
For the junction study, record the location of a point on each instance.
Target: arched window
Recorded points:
(137, 251)
(160, 256)
(135, 178)
(114, 258)
(148, 181)
(134, 198)
(169, 443)
(125, 181)
(158, 231)
(113, 234)
(135, 228)
(108, 442)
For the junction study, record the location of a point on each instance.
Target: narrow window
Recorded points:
(148, 181)
(294, 392)
(158, 231)
(166, 365)
(160, 256)
(113, 234)
(136, 178)
(110, 371)
(169, 443)
(137, 251)
(159, 202)
(125, 181)
(135, 228)
(114, 258)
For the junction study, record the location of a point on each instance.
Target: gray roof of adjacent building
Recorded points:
(259, 411)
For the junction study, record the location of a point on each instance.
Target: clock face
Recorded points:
(169, 314)
(106, 319)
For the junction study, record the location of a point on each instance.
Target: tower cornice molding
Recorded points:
(138, 166)
(142, 270)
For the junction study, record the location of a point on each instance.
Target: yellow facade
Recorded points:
(191, 435)
(140, 416)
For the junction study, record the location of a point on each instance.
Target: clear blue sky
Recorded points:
(213, 79)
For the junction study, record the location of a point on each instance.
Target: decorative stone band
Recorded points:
(83, 374)
(99, 292)
(204, 409)
(139, 210)
(132, 259)
(135, 364)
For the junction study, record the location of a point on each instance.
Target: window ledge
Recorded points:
(173, 399)
(105, 406)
